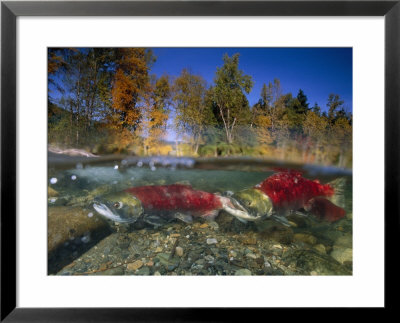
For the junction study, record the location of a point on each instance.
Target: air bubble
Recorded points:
(153, 168)
(73, 177)
(90, 215)
(116, 167)
(139, 164)
(53, 200)
(53, 180)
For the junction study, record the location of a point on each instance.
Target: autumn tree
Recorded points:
(316, 127)
(341, 136)
(193, 114)
(261, 116)
(157, 113)
(131, 85)
(316, 109)
(334, 104)
(231, 85)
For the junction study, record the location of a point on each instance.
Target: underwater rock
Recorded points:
(214, 225)
(179, 251)
(248, 240)
(170, 264)
(233, 253)
(243, 272)
(70, 233)
(51, 192)
(306, 238)
(342, 255)
(320, 248)
(279, 234)
(134, 265)
(211, 241)
(344, 241)
(118, 271)
(144, 271)
(307, 261)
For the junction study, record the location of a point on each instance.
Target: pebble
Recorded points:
(135, 265)
(320, 248)
(342, 255)
(243, 272)
(179, 251)
(170, 264)
(103, 267)
(306, 238)
(204, 225)
(233, 253)
(212, 241)
(344, 241)
(157, 273)
(251, 256)
(144, 271)
(174, 235)
(214, 225)
(111, 272)
(209, 259)
(249, 240)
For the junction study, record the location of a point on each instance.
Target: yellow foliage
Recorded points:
(263, 129)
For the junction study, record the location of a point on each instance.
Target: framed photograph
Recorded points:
(193, 154)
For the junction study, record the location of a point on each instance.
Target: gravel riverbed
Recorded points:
(221, 247)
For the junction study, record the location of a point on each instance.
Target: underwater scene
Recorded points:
(174, 223)
(199, 161)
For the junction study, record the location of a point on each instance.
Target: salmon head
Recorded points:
(254, 201)
(120, 207)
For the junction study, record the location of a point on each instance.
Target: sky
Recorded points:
(317, 71)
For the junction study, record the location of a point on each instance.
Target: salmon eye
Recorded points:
(118, 205)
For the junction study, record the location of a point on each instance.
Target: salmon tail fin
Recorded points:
(338, 198)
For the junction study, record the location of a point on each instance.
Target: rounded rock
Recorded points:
(179, 251)
(243, 272)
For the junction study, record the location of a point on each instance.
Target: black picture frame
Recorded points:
(10, 10)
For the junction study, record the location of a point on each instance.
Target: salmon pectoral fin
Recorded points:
(187, 218)
(281, 219)
(210, 215)
(154, 220)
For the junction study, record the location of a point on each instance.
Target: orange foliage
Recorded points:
(130, 86)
